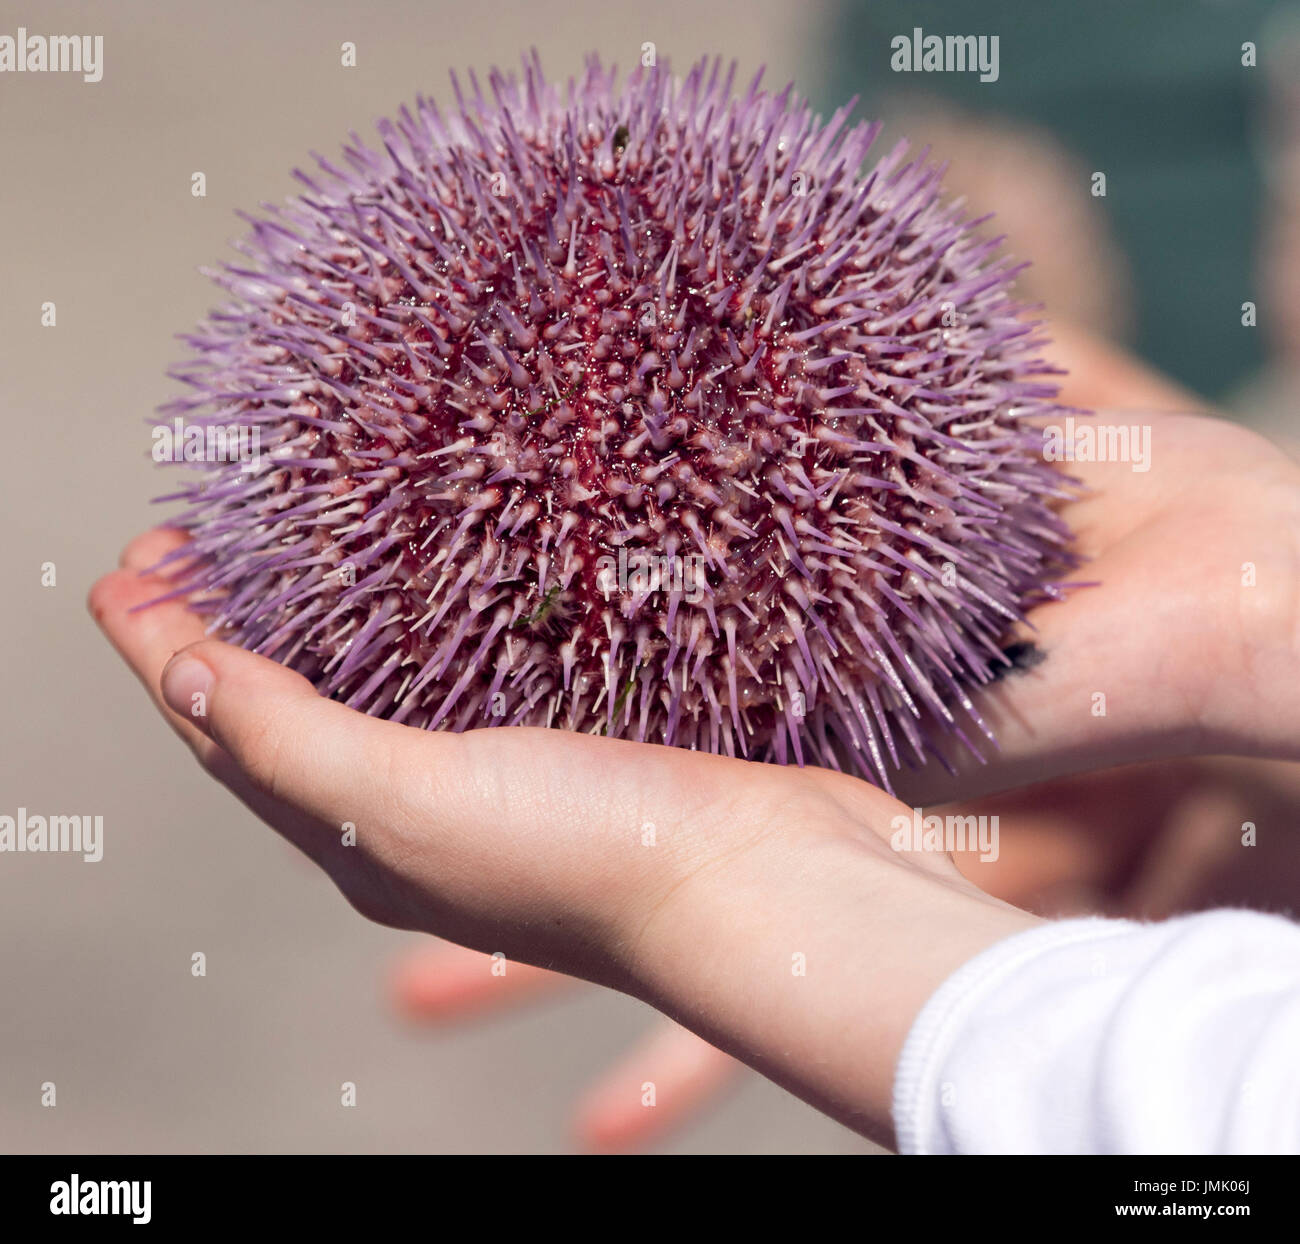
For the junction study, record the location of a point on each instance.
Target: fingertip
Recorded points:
(602, 1127)
(651, 1091)
(115, 596)
(186, 684)
(150, 547)
(99, 598)
(442, 981)
(614, 1114)
(415, 984)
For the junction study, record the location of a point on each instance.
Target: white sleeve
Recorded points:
(1108, 1036)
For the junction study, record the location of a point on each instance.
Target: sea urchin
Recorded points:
(644, 411)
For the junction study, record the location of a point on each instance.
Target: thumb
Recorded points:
(425, 805)
(302, 749)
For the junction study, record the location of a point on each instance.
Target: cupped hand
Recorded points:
(547, 831)
(760, 906)
(636, 865)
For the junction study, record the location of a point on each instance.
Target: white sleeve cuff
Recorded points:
(1109, 1036)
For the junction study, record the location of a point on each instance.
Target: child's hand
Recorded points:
(761, 906)
(702, 883)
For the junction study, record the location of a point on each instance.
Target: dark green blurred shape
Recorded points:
(1151, 93)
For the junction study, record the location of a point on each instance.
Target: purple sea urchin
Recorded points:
(526, 346)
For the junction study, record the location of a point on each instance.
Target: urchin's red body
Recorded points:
(665, 322)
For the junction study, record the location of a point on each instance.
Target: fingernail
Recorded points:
(186, 686)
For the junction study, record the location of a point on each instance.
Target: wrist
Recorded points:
(809, 955)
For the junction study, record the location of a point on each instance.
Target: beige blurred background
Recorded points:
(96, 216)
